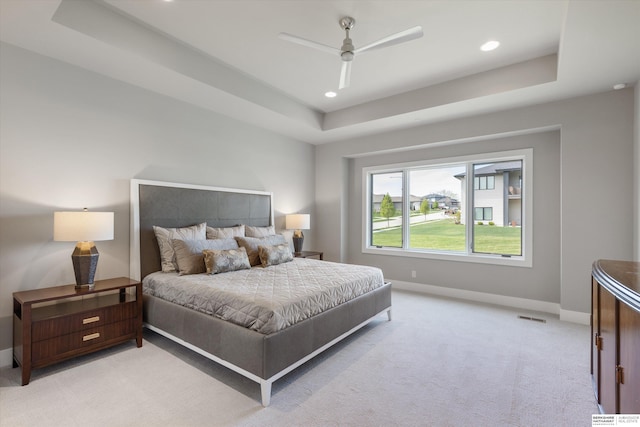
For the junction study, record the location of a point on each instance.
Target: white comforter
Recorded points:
(268, 299)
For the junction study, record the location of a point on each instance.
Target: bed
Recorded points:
(273, 343)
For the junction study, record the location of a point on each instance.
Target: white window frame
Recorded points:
(524, 260)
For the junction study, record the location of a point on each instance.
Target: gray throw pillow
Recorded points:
(189, 253)
(251, 245)
(274, 255)
(222, 261)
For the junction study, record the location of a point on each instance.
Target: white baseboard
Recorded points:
(523, 303)
(575, 317)
(6, 357)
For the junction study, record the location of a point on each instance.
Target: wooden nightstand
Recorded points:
(54, 324)
(308, 254)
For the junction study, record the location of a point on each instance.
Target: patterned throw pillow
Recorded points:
(274, 255)
(251, 231)
(225, 232)
(221, 261)
(164, 236)
(251, 245)
(189, 253)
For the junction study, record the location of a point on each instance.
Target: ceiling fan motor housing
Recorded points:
(347, 50)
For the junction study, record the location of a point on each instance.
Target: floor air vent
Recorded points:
(535, 319)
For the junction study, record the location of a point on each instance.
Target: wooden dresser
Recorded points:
(615, 343)
(57, 323)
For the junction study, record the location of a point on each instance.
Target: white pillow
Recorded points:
(225, 232)
(164, 237)
(250, 231)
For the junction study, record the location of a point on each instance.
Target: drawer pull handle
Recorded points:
(91, 336)
(90, 320)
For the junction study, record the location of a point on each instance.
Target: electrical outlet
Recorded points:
(413, 274)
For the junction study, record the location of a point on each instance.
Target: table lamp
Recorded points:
(298, 222)
(83, 227)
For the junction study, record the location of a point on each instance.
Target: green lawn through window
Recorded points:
(446, 235)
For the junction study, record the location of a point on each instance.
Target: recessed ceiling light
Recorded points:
(619, 86)
(490, 45)
(330, 94)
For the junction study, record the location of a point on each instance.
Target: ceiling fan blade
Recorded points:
(401, 37)
(304, 42)
(345, 75)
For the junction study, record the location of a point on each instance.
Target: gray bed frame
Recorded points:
(259, 357)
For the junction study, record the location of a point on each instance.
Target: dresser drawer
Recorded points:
(78, 322)
(43, 352)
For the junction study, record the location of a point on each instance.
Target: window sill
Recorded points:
(513, 261)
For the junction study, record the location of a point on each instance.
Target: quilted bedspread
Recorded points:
(268, 299)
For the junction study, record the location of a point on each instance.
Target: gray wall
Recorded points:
(539, 283)
(72, 139)
(595, 161)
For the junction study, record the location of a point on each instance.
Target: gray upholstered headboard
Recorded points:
(168, 204)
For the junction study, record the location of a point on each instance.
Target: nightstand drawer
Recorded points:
(64, 325)
(43, 352)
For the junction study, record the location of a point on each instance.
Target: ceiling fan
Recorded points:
(347, 52)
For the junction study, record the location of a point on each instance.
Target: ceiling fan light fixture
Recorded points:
(347, 56)
(490, 45)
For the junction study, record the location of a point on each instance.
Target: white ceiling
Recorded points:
(224, 55)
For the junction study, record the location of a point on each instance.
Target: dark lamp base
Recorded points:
(297, 243)
(85, 260)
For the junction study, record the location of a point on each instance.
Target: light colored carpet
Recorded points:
(439, 362)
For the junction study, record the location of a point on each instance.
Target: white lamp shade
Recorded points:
(298, 222)
(82, 226)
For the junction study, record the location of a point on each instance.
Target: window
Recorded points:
(484, 182)
(473, 208)
(500, 234)
(386, 209)
(434, 194)
(484, 214)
